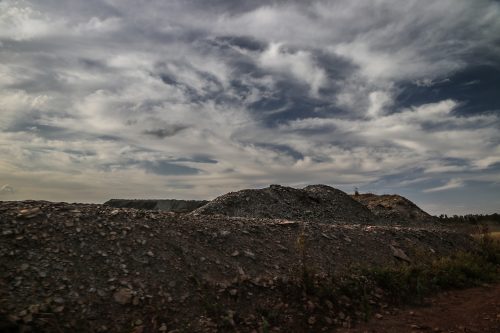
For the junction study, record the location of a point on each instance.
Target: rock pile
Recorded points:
(319, 203)
(94, 268)
(393, 207)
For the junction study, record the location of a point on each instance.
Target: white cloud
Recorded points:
(451, 184)
(6, 189)
(21, 22)
(379, 100)
(300, 64)
(97, 25)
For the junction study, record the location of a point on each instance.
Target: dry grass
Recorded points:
(495, 235)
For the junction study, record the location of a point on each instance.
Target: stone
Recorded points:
(400, 254)
(123, 296)
(249, 254)
(29, 213)
(58, 309)
(59, 300)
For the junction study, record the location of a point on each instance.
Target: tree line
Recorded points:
(471, 218)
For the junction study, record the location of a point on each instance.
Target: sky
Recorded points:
(191, 99)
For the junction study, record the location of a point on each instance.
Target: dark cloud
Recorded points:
(199, 158)
(242, 42)
(281, 150)
(164, 132)
(166, 168)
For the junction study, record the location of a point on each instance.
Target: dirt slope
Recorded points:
(312, 203)
(473, 310)
(86, 268)
(392, 207)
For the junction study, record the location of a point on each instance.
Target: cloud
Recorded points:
(216, 96)
(7, 190)
(300, 64)
(167, 168)
(165, 132)
(451, 184)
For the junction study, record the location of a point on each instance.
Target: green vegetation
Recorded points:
(411, 283)
(367, 288)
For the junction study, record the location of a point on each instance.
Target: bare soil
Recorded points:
(471, 310)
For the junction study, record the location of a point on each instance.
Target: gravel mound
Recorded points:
(313, 203)
(170, 205)
(94, 268)
(393, 207)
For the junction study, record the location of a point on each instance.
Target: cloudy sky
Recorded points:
(191, 99)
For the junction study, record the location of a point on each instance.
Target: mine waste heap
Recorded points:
(319, 203)
(236, 263)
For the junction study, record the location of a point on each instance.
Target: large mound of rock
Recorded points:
(170, 205)
(312, 203)
(392, 207)
(94, 268)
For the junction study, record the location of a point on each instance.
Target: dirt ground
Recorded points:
(470, 310)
